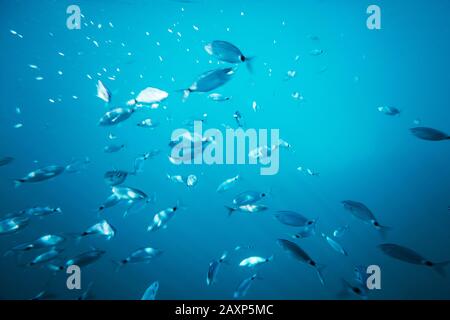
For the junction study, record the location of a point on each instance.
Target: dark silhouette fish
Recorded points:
(228, 52)
(429, 134)
(362, 212)
(6, 160)
(39, 175)
(410, 256)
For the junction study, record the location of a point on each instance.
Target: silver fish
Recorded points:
(45, 257)
(113, 148)
(341, 231)
(390, 111)
(429, 134)
(13, 224)
(39, 175)
(82, 260)
(360, 211)
(48, 240)
(209, 81)
(213, 269)
(148, 123)
(142, 255)
(227, 52)
(103, 92)
(410, 256)
(243, 287)
(189, 181)
(102, 228)
(218, 97)
(116, 177)
(252, 262)
(335, 245)
(248, 197)
(228, 184)
(161, 218)
(41, 211)
(298, 253)
(247, 208)
(116, 116)
(152, 290)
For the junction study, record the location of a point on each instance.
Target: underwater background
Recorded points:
(336, 130)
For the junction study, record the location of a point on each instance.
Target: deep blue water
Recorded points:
(361, 154)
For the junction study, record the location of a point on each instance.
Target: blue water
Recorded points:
(361, 154)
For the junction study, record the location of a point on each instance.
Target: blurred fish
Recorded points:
(360, 211)
(349, 290)
(78, 165)
(39, 175)
(248, 197)
(152, 290)
(115, 116)
(5, 160)
(218, 97)
(213, 269)
(341, 231)
(103, 92)
(429, 134)
(335, 245)
(294, 219)
(410, 256)
(149, 96)
(298, 253)
(139, 161)
(86, 295)
(48, 240)
(360, 274)
(13, 224)
(254, 261)
(45, 257)
(113, 148)
(316, 52)
(41, 211)
(228, 184)
(227, 52)
(189, 181)
(81, 260)
(116, 177)
(161, 218)
(238, 117)
(390, 111)
(102, 228)
(247, 208)
(209, 81)
(148, 123)
(142, 255)
(243, 287)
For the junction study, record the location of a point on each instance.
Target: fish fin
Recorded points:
(319, 270)
(18, 183)
(270, 258)
(230, 210)
(249, 63)
(118, 265)
(440, 268)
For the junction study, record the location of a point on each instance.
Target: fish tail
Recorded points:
(118, 265)
(249, 63)
(186, 93)
(230, 210)
(319, 270)
(440, 268)
(18, 182)
(383, 231)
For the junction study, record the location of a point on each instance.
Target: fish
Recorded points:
(227, 52)
(410, 256)
(293, 219)
(122, 194)
(217, 97)
(341, 231)
(429, 134)
(115, 116)
(113, 148)
(238, 118)
(103, 92)
(213, 269)
(129, 194)
(248, 197)
(228, 184)
(13, 224)
(141, 255)
(151, 291)
(335, 245)
(189, 181)
(361, 275)
(102, 228)
(349, 290)
(298, 253)
(390, 111)
(41, 174)
(149, 96)
(209, 80)
(41, 211)
(316, 52)
(247, 208)
(45, 241)
(148, 123)
(244, 286)
(360, 211)
(254, 261)
(86, 295)
(81, 260)
(139, 161)
(116, 177)
(45, 257)
(161, 218)
(77, 165)
(5, 161)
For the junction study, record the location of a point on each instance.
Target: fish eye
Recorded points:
(356, 290)
(174, 208)
(263, 194)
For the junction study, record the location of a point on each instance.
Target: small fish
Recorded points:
(149, 96)
(360, 290)
(429, 134)
(290, 75)
(142, 255)
(243, 287)
(213, 269)
(209, 81)
(148, 123)
(308, 171)
(103, 92)
(78, 165)
(189, 181)
(341, 231)
(151, 291)
(112, 148)
(294, 219)
(86, 295)
(390, 111)
(361, 275)
(335, 245)
(228, 184)
(102, 228)
(360, 211)
(48, 240)
(218, 97)
(139, 161)
(41, 211)
(298, 253)
(316, 52)
(82, 260)
(45, 257)
(39, 175)
(129, 194)
(161, 218)
(410, 256)
(252, 262)
(115, 116)
(248, 197)
(238, 118)
(13, 224)
(5, 160)
(227, 52)
(247, 208)
(116, 177)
